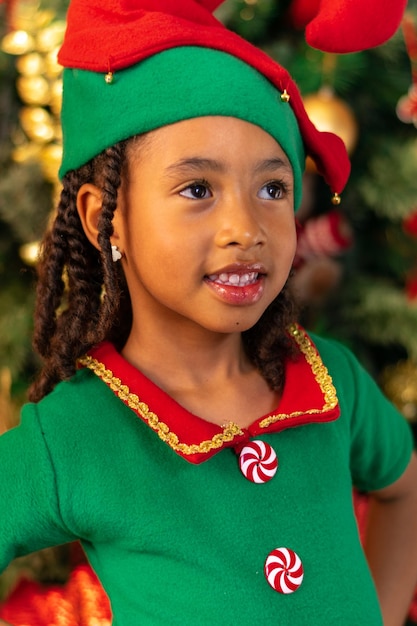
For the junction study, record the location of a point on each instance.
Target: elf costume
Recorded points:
(183, 521)
(176, 530)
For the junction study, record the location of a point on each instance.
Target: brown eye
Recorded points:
(196, 191)
(272, 191)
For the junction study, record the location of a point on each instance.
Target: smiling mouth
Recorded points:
(233, 279)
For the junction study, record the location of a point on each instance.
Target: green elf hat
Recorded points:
(131, 66)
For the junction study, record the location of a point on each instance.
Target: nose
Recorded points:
(239, 224)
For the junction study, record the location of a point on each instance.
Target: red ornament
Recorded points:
(410, 224)
(81, 602)
(411, 287)
(407, 105)
(326, 235)
(10, 5)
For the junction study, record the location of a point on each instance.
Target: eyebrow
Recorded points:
(271, 165)
(194, 164)
(197, 164)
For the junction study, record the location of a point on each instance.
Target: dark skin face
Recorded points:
(207, 234)
(207, 226)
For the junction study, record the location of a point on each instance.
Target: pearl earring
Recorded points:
(116, 255)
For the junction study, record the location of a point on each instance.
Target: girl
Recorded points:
(197, 440)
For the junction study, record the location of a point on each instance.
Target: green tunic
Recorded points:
(175, 532)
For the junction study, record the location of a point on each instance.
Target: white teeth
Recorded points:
(234, 280)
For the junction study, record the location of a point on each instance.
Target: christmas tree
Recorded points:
(356, 268)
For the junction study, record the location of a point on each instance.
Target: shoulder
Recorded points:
(347, 373)
(329, 356)
(380, 437)
(77, 403)
(79, 391)
(360, 396)
(334, 354)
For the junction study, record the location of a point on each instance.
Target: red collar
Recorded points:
(309, 396)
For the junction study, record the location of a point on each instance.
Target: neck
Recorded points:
(187, 360)
(207, 373)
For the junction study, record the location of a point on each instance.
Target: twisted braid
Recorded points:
(268, 344)
(73, 276)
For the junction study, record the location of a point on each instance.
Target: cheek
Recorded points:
(285, 237)
(155, 249)
(292, 239)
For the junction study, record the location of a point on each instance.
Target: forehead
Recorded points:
(211, 137)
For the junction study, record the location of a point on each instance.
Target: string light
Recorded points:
(35, 41)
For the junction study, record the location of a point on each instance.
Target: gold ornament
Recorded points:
(53, 69)
(331, 114)
(36, 42)
(33, 89)
(25, 14)
(17, 42)
(55, 97)
(50, 157)
(8, 417)
(37, 124)
(50, 37)
(29, 253)
(26, 152)
(31, 64)
(399, 382)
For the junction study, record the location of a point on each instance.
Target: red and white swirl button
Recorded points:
(258, 461)
(284, 570)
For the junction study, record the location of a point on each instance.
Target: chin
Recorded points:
(237, 325)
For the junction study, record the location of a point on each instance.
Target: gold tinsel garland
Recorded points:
(35, 39)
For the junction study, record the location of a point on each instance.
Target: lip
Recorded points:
(239, 283)
(240, 268)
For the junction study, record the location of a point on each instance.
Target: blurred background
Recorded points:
(355, 273)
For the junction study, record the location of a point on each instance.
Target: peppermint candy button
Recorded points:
(284, 570)
(258, 462)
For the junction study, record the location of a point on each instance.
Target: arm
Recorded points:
(391, 544)
(30, 518)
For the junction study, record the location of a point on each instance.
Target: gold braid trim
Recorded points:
(141, 408)
(231, 430)
(321, 375)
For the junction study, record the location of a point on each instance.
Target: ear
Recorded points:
(89, 204)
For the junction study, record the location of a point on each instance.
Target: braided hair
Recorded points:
(80, 291)
(82, 297)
